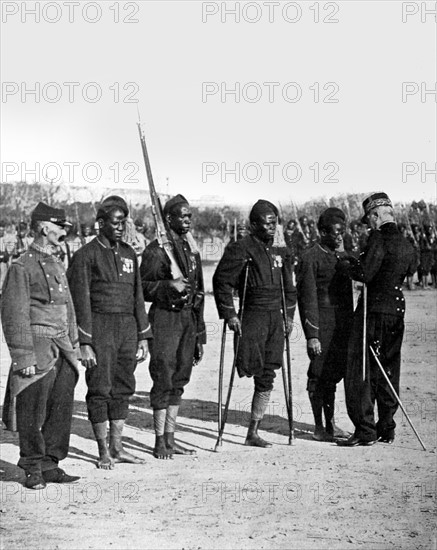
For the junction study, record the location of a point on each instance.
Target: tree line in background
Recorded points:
(17, 201)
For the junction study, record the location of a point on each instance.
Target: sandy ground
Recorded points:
(309, 495)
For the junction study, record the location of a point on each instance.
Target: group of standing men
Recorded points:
(97, 313)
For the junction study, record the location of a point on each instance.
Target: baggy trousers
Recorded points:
(171, 354)
(112, 381)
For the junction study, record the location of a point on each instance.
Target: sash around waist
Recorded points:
(112, 298)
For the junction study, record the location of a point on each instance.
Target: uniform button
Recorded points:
(30, 255)
(65, 286)
(397, 298)
(52, 301)
(403, 299)
(403, 310)
(47, 275)
(43, 263)
(121, 274)
(398, 309)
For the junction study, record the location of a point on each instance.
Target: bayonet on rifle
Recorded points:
(161, 229)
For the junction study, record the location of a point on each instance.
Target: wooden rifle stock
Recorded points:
(161, 230)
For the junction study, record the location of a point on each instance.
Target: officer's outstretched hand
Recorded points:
(88, 356)
(180, 284)
(142, 351)
(235, 325)
(28, 372)
(314, 348)
(198, 354)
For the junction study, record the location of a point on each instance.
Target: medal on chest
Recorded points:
(277, 260)
(128, 265)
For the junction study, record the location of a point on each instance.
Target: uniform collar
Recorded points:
(103, 241)
(47, 250)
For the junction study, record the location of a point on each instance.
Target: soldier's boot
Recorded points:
(316, 401)
(160, 451)
(329, 408)
(100, 430)
(116, 444)
(169, 430)
(259, 405)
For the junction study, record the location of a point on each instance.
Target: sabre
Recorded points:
(220, 388)
(396, 396)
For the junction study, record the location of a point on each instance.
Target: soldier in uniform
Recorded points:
(177, 320)
(40, 329)
(326, 310)
(113, 327)
(384, 264)
(261, 347)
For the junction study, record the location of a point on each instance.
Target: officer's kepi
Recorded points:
(375, 200)
(45, 213)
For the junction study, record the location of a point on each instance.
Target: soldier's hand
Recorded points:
(314, 347)
(198, 354)
(142, 351)
(180, 284)
(235, 325)
(28, 372)
(88, 356)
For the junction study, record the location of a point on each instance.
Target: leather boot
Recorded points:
(252, 438)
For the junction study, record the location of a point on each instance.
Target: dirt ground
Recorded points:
(309, 495)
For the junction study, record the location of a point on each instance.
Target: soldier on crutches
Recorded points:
(261, 330)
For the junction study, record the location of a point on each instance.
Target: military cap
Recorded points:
(45, 213)
(331, 216)
(173, 202)
(375, 200)
(114, 201)
(262, 208)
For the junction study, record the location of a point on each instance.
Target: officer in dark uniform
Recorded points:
(177, 320)
(326, 310)
(113, 327)
(261, 346)
(384, 264)
(40, 329)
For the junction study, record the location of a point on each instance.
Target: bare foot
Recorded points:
(105, 462)
(175, 448)
(160, 451)
(124, 456)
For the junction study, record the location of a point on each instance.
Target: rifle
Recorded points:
(161, 229)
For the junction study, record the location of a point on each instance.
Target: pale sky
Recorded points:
(271, 136)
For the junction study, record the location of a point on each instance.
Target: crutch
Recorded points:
(396, 395)
(288, 389)
(224, 417)
(220, 388)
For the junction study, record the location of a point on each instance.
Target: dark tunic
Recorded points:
(111, 316)
(386, 261)
(177, 319)
(326, 310)
(262, 344)
(40, 329)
